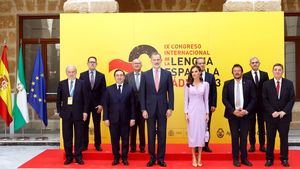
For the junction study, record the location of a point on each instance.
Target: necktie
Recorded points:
(71, 88)
(237, 95)
(278, 88)
(119, 89)
(92, 80)
(156, 79)
(137, 80)
(256, 78)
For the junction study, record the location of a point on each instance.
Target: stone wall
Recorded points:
(9, 11)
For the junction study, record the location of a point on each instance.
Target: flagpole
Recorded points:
(42, 137)
(5, 138)
(22, 137)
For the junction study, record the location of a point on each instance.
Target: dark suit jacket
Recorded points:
(228, 98)
(118, 108)
(96, 95)
(263, 77)
(212, 98)
(130, 79)
(163, 99)
(80, 100)
(284, 103)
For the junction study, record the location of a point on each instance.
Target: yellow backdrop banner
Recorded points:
(222, 38)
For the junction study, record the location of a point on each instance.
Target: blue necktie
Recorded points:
(72, 88)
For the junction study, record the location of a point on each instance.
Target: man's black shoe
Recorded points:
(150, 163)
(162, 163)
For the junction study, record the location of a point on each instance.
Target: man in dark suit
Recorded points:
(119, 115)
(212, 98)
(134, 80)
(96, 86)
(257, 77)
(72, 105)
(239, 99)
(278, 98)
(157, 104)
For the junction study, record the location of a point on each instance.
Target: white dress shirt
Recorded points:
(203, 76)
(280, 83)
(137, 79)
(121, 86)
(241, 94)
(154, 70)
(253, 75)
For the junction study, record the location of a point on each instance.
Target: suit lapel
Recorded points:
(231, 88)
(244, 91)
(97, 79)
(66, 85)
(76, 87)
(132, 80)
(283, 84)
(205, 77)
(273, 88)
(252, 78)
(115, 90)
(152, 79)
(124, 90)
(87, 74)
(162, 75)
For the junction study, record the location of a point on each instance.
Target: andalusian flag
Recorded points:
(5, 89)
(20, 110)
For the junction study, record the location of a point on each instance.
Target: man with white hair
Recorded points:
(72, 106)
(257, 77)
(134, 79)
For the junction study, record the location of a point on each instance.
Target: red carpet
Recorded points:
(177, 156)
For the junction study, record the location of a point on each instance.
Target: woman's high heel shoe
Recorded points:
(194, 163)
(200, 164)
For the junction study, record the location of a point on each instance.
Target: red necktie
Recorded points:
(278, 87)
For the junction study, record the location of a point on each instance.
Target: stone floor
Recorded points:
(12, 157)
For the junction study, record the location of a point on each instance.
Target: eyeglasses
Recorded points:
(92, 62)
(254, 62)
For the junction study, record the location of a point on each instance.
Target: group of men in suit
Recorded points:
(253, 95)
(151, 97)
(77, 100)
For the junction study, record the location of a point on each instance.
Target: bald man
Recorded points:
(72, 105)
(134, 80)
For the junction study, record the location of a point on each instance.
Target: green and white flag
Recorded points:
(20, 109)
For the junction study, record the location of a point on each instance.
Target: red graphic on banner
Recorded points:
(120, 64)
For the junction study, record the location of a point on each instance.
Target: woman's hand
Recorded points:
(187, 117)
(207, 118)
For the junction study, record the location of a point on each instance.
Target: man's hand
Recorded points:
(281, 114)
(145, 114)
(132, 123)
(212, 109)
(275, 114)
(245, 112)
(169, 113)
(99, 109)
(84, 116)
(238, 113)
(106, 123)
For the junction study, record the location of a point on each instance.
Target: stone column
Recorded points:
(251, 5)
(91, 6)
